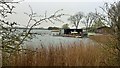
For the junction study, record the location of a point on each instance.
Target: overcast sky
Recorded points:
(70, 0)
(70, 7)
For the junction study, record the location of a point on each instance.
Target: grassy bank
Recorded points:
(72, 55)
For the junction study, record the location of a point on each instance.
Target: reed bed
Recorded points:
(108, 44)
(104, 39)
(63, 55)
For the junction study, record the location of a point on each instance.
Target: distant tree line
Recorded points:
(53, 28)
(64, 26)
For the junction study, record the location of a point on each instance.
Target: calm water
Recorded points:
(47, 39)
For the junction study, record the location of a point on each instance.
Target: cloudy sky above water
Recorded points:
(69, 7)
(69, 0)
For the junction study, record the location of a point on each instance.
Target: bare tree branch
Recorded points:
(75, 19)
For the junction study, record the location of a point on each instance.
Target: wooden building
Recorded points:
(104, 30)
(72, 32)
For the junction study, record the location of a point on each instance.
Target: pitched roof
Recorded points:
(103, 27)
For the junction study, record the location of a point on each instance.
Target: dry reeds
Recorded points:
(108, 44)
(71, 55)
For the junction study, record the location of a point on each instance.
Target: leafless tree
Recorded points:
(75, 19)
(112, 17)
(89, 20)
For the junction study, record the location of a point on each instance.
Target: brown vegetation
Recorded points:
(103, 39)
(102, 53)
(72, 55)
(109, 47)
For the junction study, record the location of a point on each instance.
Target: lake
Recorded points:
(46, 38)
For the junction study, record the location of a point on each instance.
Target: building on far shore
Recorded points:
(104, 30)
(71, 32)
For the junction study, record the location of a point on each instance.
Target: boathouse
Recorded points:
(71, 31)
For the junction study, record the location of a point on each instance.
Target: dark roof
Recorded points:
(103, 27)
(68, 31)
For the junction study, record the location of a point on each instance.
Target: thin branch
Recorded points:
(39, 22)
(3, 2)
